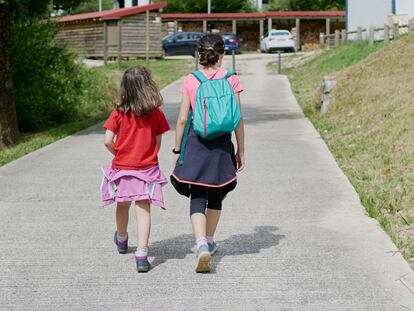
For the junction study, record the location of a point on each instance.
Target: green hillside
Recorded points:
(370, 127)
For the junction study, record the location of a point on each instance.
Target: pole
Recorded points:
(233, 55)
(279, 62)
(147, 43)
(344, 36)
(297, 34)
(119, 43)
(100, 5)
(209, 7)
(105, 43)
(196, 59)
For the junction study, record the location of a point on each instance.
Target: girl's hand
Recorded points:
(176, 157)
(240, 161)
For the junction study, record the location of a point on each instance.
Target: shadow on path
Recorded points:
(241, 244)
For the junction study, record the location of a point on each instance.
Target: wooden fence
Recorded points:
(387, 33)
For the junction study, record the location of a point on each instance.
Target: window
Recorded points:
(181, 37)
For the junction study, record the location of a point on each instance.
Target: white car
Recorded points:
(277, 40)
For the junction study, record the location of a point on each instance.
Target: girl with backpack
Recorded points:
(133, 136)
(205, 160)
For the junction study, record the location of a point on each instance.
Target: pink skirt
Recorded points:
(132, 185)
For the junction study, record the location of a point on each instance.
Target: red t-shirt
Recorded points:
(135, 144)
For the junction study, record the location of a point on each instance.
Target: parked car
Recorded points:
(181, 43)
(231, 42)
(277, 40)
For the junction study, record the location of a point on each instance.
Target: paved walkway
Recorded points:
(293, 235)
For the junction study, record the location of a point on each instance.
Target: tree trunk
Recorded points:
(9, 132)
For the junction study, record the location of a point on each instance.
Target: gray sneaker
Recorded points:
(203, 260)
(212, 248)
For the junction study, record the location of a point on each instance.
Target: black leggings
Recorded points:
(205, 197)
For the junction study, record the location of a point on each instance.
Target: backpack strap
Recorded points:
(229, 74)
(199, 76)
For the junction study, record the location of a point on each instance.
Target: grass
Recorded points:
(163, 71)
(370, 127)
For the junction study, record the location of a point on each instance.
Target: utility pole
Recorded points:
(209, 7)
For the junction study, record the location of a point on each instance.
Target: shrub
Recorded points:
(50, 88)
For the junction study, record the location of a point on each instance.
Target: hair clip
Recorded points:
(210, 48)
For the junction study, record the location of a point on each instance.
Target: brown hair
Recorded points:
(209, 48)
(139, 93)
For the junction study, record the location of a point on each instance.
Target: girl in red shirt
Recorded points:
(133, 136)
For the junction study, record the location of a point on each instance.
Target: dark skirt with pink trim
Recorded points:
(209, 163)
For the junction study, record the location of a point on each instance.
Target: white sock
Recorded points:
(141, 252)
(201, 241)
(121, 238)
(210, 239)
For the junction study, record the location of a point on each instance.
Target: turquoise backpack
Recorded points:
(217, 110)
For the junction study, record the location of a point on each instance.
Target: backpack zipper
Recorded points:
(205, 116)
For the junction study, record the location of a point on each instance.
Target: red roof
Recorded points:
(111, 14)
(218, 16)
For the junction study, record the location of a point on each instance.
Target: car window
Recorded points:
(266, 34)
(170, 36)
(181, 37)
(194, 36)
(279, 33)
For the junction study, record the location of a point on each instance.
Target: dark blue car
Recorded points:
(181, 43)
(231, 42)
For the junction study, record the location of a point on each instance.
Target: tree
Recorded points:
(9, 132)
(306, 5)
(200, 6)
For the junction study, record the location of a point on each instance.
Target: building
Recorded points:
(251, 26)
(377, 13)
(113, 33)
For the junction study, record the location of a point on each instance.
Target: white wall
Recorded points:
(144, 2)
(364, 13)
(405, 7)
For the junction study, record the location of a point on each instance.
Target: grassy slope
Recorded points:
(370, 128)
(163, 71)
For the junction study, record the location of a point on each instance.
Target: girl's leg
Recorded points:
(198, 206)
(213, 213)
(143, 213)
(122, 217)
(213, 217)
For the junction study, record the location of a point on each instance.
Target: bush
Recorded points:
(50, 88)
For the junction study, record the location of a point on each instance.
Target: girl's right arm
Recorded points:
(109, 141)
(181, 123)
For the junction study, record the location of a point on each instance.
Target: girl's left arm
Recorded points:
(159, 139)
(109, 141)
(181, 123)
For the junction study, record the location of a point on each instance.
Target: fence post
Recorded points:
(233, 56)
(411, 25)
(336, 38)
(371, 35)
(279, 62)
(322, 40)
(359, 34)
(344, 36)
(396, 30)
(386, 34)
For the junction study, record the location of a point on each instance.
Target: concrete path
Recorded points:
(293, 236)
